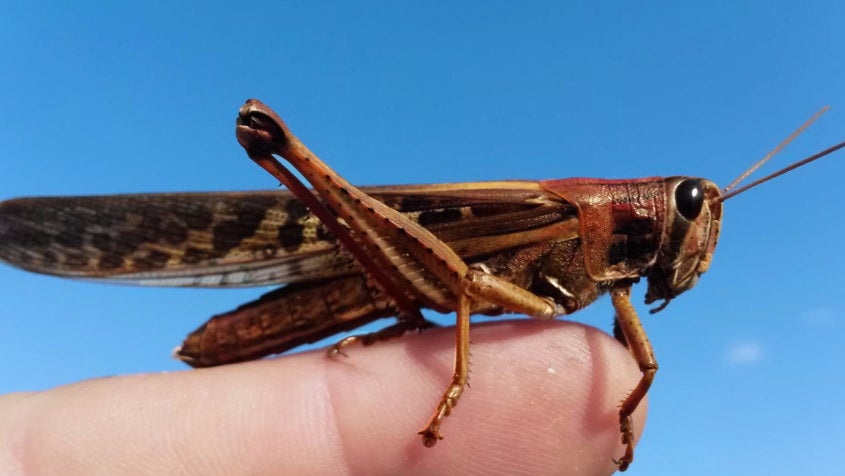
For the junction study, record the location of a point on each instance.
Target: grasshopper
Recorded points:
(350, 256)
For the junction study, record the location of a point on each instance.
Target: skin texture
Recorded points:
(543, 399)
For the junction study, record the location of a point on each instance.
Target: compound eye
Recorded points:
(689, 198)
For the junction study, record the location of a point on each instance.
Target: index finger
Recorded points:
(543, 399)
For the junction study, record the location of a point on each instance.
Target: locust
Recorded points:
(349, 256)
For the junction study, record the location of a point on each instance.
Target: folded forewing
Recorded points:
(250, 238)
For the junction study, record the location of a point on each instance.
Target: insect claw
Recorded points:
(623, 463)
(334, 351)
(337, 348)
(430, 437)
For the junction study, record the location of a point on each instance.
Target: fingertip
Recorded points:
(542, 398)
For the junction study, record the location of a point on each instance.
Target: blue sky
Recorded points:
(121, 98)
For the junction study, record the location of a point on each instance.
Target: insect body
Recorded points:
(350, 256)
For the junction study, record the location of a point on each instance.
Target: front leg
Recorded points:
(638, 344)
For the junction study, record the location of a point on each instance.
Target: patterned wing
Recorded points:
(187, 239)
(247, 238)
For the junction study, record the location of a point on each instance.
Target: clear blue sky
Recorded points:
(118, 98)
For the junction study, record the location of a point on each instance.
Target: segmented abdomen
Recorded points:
(296, 314)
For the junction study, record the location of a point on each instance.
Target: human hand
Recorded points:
(543, 400)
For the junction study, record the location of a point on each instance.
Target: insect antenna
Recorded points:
(777, 149)
(782, 171)
(728, 192)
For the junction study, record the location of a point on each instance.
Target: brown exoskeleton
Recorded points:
(350, 256)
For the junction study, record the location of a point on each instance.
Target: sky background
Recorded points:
(121, 98)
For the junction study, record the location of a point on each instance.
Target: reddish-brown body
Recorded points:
(350, 256)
